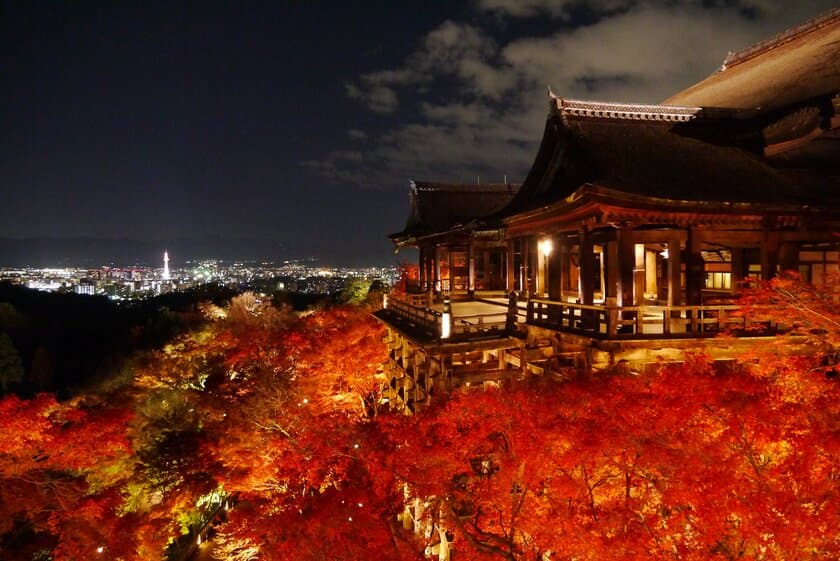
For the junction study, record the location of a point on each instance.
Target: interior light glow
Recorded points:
(445, 325)
(546, 246)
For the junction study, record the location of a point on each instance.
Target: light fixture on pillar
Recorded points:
(664, 252)
(446, 319)
(545, 246)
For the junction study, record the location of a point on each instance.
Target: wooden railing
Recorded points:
(646, 321)
(419, 317)
(413, 310)
(418, 299)
(607, 322)
(479, 325)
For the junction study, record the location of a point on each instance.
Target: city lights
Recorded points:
(139, 282)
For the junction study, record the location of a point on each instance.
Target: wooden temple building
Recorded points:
(634, 229)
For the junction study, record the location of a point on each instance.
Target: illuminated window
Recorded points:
(719, 281)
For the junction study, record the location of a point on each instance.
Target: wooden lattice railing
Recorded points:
(646, 321)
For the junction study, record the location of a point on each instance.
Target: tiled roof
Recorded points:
(438, 207)
(798, 65)
(648, 157)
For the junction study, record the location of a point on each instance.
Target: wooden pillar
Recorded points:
(471, 267)
(587, 268)
(421, 269)
(438, 284)
(736, 268)
(694, 274)
(555, 271)
(510, 278)
(626, 263)
(611, 273)
(541, 278)
(789, 257)
(488, 275)
(769, 255)
(510, 320)
(430, 269)
(639, 252)
(674, 268)
(451, 270)
(525, 258)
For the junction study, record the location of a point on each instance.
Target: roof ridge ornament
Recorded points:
(626, 111)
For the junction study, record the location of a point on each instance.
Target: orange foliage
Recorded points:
(688, 463)
(685, 462)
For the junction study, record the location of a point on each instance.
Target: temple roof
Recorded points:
(643, 150)
(439, 207)
(762, 133)
(799, 64)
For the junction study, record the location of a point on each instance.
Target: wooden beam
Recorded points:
(728, 238)
(657, 236)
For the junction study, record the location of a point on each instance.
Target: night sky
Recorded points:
(300, 123)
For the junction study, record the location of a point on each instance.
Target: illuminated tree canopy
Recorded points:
(260, 431)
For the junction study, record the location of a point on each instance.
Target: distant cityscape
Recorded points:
(140, 282)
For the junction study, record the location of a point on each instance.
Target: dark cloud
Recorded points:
(494, 92)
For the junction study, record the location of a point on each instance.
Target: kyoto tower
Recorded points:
(165, 275)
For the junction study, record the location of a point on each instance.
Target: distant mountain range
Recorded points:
(95, 252)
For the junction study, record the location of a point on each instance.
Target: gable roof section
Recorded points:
(802, 63)
(439, 207)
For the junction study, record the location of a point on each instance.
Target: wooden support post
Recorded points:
(694, 275)
(587, 268)
(510, 278)
(471, 267)
(451, 270)
(421, 269)
(525, 253)
(639, 280)
(438, 284)
(674, 268)
(611, 271)
(510, 318)
(555, 271)
(736, 268)
(769, 255)
(541, 272)
(587, 278)
(487, 275)
(626, 262)
(788, 257)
